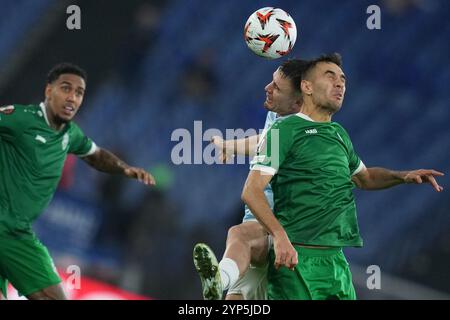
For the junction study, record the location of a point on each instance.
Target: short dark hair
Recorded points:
(65, 68)
(294, 69)
(333, 58)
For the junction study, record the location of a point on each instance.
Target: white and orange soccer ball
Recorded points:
(270, 32)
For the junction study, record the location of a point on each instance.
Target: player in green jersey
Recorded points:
(243, 268)
(312, 167)
(34, 143)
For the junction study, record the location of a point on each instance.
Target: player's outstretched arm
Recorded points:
(105, 161)
(253, 195)
(228, 148)
(381, 178)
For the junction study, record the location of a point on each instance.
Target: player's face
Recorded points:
(64, 96)
(328, 86)
(281, 97)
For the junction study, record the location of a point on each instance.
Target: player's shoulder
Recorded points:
(74, 128)
(287, 125)
(342, 132)
(16, 107)
(292, 120)
(271, 116)
(19, 109)
(73, 124)
(339, 127)
(7, 109)
(280, 122)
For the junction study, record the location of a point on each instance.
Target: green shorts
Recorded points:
(321, 274)
(26, 263)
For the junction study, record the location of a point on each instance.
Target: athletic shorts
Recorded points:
(253, 284)
(321, 274)
(26, 264)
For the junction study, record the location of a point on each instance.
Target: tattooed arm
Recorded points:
(381, 178)
(105, 161)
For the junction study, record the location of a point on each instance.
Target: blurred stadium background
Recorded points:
(155, 66)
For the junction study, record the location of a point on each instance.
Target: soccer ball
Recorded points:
(270, 32)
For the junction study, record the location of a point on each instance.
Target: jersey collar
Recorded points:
(304, 116)
(278, 117)
(44, 111)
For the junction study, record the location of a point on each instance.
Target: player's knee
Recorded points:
(246, 232)
(50, 293)
(234, 296)
(240, 232)
(40, 295)
(236, 233)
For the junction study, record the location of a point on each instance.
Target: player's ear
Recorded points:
(48, 90)
(306, 87)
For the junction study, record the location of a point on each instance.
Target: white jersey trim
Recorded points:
(304, 116)
(269, 170)
(91, 151)
(44, 111)
(360, 168)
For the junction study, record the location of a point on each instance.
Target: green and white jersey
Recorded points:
(32, 156)
(312, 164)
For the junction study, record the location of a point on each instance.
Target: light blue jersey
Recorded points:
(248, 215)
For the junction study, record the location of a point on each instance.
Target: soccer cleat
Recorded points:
(208, 269)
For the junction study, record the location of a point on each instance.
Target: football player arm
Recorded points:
(253, 195)
(245, 146)
(105, 161)
(380, 178)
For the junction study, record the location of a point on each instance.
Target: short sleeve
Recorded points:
(10, 124)
(273, 148)
(354, 162)
(79, 143)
